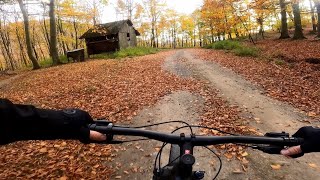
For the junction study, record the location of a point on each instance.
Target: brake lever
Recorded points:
(270, 149)
(104, 123)
(274, 149)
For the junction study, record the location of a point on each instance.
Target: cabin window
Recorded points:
(128, 36)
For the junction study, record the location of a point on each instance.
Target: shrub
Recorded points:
(210, 46)
(227, 45)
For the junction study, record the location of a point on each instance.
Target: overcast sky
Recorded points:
(182, 6)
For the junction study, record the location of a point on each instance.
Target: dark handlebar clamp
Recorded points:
(104, 123)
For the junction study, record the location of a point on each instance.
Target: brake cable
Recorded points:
(220, 161)
(194, 126)
(158, 157)
(150, 125)
(157, 124)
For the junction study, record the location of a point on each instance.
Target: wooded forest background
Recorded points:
(33, 31)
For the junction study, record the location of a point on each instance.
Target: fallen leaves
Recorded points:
(276, 166)
(229, 156)
(312, 114)
(313, 165)
(113, 89)
(237, 171)
(43, 150)
(244, 154)
(63, 178)
(285, 84)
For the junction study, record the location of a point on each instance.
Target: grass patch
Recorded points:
(102, 56)
(128, 52)
(279, 62)
(227, 45)
(47, 62)
(246, 51)
(236, 47)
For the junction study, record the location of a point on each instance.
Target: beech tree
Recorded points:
(298, 32)
(31, 55)
(125, 7)
(154, 8)
(284, 23)
(313, 18)
(318, 13)
(53, 34)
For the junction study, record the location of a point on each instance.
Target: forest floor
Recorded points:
(208, 87)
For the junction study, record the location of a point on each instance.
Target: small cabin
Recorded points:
(110, 37)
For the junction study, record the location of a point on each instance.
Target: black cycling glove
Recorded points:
(311, 138)
(25, 122)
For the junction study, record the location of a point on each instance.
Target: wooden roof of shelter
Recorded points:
(107, 29)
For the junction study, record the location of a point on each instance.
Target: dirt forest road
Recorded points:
(271, 116)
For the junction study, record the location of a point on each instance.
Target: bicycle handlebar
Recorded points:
(271, 143)
(195, 140)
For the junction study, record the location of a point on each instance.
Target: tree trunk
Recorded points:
(153, 38)
(182, 43)
(33, 43)
(75, 33)
(40, 48)
(27, 36)
(22, 52)
(298, 34)
(229, 35)
(62, 32)
(200, 38)
(6, 52)
(194, 37)
(261, 30)
(174, 38)
(95, 12)
(53, 35)
(318, 12)
(284, 24)
(313, 19)
(212, 33)
(157, 38)
(46, 35)
(7, 48)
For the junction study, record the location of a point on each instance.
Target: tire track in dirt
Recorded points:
(135, 160)
(272, 115)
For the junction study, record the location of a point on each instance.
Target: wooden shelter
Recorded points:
(110, 37)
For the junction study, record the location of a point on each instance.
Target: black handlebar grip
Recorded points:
(294, 141)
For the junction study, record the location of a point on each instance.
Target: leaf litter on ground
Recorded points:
(113, 89)
(296, 82)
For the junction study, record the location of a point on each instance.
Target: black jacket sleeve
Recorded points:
(25, 122)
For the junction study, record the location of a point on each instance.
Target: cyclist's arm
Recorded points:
(25, 122)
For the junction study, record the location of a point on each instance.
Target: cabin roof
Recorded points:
(107, 29)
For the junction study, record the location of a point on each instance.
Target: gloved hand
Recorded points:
(311, 143)
(25, 122)
(77, 118)
(67, 124)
